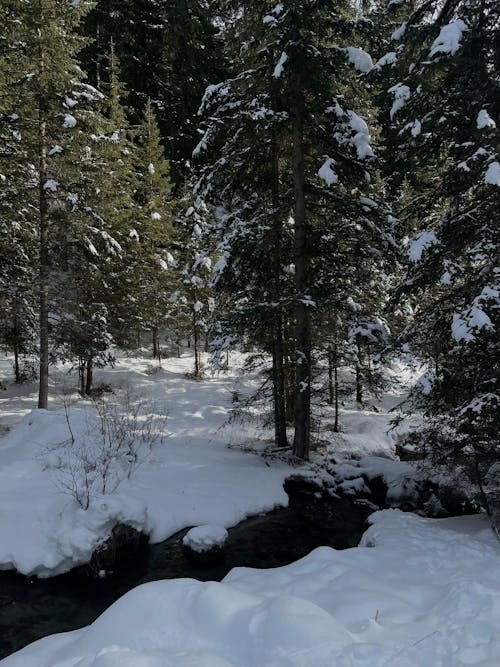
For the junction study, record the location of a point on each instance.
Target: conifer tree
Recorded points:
(155, 229)
(287, 113)
(169, 52)
(44, 95)
(445, 113)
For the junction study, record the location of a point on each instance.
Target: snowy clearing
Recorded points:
(192, 479)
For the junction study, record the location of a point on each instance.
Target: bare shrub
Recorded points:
(115, 438)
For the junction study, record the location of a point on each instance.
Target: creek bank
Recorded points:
(32, 608)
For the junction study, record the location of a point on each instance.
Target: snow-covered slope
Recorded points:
(426, 594)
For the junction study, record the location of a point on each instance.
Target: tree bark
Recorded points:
(43, 272)
(196, 345)
(359, 382)
(302, 435)
(278, 374)
(155, 342)
(89, 379)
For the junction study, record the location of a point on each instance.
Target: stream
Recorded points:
(32, 608)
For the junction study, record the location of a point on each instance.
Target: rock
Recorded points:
(120, 550)
(204, 545)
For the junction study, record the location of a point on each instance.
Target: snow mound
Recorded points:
(417, 593)
(204, 538)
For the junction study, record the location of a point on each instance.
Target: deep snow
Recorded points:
(192, 479)
(417, 593)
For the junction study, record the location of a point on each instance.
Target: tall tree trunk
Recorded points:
(336, 383)
(278, 375)
(302, 435)
(331, 364)
(89, 379)
(359, 372)
(43, 275)
(196, 345)
(17, 370)
(155, 342)
(81, 376)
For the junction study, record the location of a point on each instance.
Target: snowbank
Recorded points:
(418, 593)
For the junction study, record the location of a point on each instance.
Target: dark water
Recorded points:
(33, 608)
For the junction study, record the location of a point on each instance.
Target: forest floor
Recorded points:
(416, 592)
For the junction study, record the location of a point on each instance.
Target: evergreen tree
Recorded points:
(292, 175)
(155, 230)
(445, 112)
(50, 111)
(169, 53)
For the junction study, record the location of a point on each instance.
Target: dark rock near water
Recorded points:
(207, 558)
(120, 550)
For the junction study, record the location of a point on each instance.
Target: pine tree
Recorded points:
(44, 95)
(169, 53)
(155, 230)
(292, 172)
(445, 112)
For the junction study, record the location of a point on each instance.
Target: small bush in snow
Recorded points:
(115, 438)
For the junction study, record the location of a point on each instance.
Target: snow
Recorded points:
(416, 128)
(467, 324)
(361, 60)
(422, 241)
(401, 94)
(361, 139)
(51, 184)
(69, 121)
(484, 120)
(492, 175)
(326, 172)
(191, 479)
(278, 70)
(55, 150)
(399, 32)
(416, 593)
(389, 58)
(204, 538)
(448, 40)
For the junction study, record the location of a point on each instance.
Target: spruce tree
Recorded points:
(291, 172)
(44, 95)
(155, 231)
(445, 113)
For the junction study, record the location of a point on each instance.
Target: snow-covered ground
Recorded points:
(190, 479)
(417, 593)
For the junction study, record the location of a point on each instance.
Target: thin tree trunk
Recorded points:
(81, 376)
(43, 276)
(359, 382)
(278, 375)
(196, 336)
(155, 342)
(89, 379)
(302, 433)
(17, 370)
(331, 389)
(336, 382)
